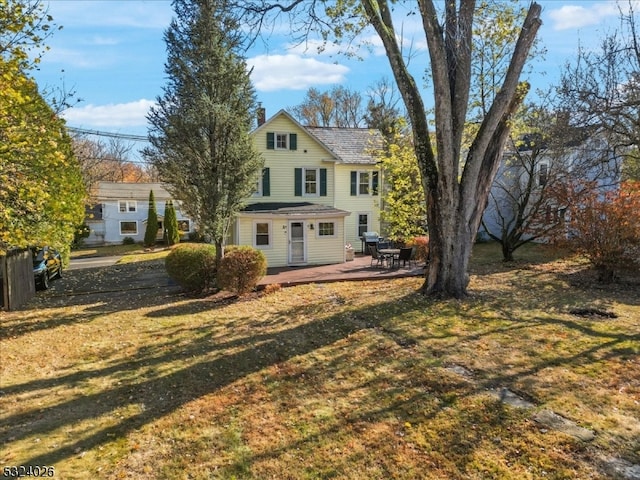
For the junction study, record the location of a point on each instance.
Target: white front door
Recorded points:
(297, 246)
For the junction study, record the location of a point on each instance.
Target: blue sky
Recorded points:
(112, 54)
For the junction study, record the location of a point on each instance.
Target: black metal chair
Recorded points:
(380, 258)
(404, 256)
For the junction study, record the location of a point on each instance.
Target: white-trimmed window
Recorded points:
(262, 234)
(184, 226)
(363, 223)
(127, 206)
(282, 141)
(543, 174)
(326, 229)
(311, 178)
(364, 183)
(128, 228)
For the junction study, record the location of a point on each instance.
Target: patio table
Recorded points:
(390, 252)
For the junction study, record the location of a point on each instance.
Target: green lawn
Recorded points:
(353, 380)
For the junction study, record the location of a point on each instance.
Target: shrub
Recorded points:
(422, 247)
(606, 229)
(128, 241)
(195, 236)
(192, 266)
(241, 269)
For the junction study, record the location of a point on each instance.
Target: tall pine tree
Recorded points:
(200, 128)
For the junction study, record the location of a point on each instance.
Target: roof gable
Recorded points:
(345, 145)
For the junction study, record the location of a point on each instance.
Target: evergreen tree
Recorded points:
(200, 128)
(171, 224)
(150, 234)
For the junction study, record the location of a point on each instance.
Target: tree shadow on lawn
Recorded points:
(176, 389)
(162, 393)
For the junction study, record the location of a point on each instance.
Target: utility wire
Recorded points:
(122, 136)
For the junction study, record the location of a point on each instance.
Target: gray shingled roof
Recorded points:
(349, 145)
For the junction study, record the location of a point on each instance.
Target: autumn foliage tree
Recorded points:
(41, 190)
(605, 227)
(404, 214)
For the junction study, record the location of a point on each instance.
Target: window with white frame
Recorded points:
(311, 179)
(128, 228)
(262, 234)
(364, 183)
(363, 223)
(183, 225)
(127, 206)
(543, 174)
(282, 141)
(326, 229)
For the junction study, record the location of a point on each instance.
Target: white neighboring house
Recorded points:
(121, 210)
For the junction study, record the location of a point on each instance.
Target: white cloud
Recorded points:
(131, 114)
(293, 72)
(576, 16)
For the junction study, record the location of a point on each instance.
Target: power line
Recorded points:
(99, 133)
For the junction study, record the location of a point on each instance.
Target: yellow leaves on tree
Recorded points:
(41, 190)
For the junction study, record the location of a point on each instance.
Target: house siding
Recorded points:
(282, 164)
(358, 204)
(319, 250)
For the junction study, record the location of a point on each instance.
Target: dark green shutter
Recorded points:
(374, 182)
(271, 141)
(354, 184)
(293, 141)
(266, 182)
(298, 182)
(323, 182)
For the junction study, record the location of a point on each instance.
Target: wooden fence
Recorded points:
(16, 272)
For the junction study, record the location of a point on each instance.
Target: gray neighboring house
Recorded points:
(588, 158)
(121, 209)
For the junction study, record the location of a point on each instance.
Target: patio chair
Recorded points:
(380, 258)
(404, 256)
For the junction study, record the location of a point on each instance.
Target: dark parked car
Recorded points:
(47, 264)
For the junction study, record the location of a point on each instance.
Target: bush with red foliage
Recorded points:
(606, 229)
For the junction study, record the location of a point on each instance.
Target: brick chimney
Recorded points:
(262, 115)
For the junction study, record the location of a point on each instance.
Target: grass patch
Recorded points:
(344, 380)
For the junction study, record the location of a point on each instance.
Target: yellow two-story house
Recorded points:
(319, 191)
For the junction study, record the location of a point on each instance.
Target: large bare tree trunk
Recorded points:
(454, 206)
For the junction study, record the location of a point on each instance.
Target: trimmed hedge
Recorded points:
(192, 266)
(241, 269)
